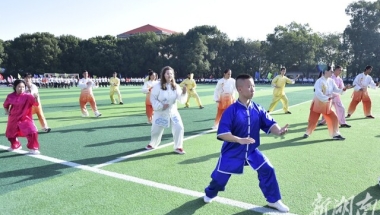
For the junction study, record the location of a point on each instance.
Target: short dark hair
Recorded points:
(226, 70)
(282, 68)
(242, 77)
(368, 67)
(337, 67)
(27, 75)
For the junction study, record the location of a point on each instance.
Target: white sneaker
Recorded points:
(180, 151)
(11, 150)
(34, 152)
(279, 206)
(97, 114)
(149, 147)
(214, 127)
(85, 115)
(207, 199)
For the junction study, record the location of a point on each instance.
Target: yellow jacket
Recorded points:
(114, 82)
(189, 83)
(279, 83)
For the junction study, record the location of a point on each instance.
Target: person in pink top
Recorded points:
(336, 101)
(18, 106)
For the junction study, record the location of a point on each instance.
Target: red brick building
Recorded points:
(145, 29)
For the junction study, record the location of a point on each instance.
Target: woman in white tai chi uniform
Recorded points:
(164, 96)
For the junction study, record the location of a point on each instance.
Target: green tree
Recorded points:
(293, 46)
(362, 36)
(69, 57)
(196, 52)
(244, 56)
(99, 55)
(34, 53)
(172, 52)
(140, 53)
(2, 53)
(218, 45)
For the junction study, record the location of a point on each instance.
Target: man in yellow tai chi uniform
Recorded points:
(115, 83)
(190, 84)
(279, 83)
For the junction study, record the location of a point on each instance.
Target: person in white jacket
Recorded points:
(325, 88)
(33, 89)
(224, 94)
(148, 84)
(86, 95)
(361, 83)
(164, 97)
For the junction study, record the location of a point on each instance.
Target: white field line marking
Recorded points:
(166, 187)
(147, 151)
(166, 145)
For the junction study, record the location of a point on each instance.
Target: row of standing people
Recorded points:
(20, 107)
(327, 90)
(232, 126)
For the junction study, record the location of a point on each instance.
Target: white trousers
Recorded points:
(177, 131)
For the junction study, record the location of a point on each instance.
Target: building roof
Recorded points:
(145, 29)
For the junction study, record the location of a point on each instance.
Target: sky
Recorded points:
(250, 19)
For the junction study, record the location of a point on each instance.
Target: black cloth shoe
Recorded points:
(288, 112)
(370, 117)
(345, 126)
(320, 124)
(47, 130)
(348, 116)
(305, 136)
(201, 107)
(121, 103)
(338, 137)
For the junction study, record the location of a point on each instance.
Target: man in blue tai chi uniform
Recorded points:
(239, 128)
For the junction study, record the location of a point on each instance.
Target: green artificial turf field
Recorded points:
(99, 165)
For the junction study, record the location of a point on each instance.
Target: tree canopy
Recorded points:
(203, 50)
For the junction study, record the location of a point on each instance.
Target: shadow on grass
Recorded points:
(125, 105)
(200, 159)
(355, 119)
(287, 143)
(188, 208)
(294, 142)
(50, 170)
(144, 157)
(205, 120)
(11, 156)
(65, 118)
(251, 212)
(49, 106)
(362, 203)
(93, 129)
(142, 138)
